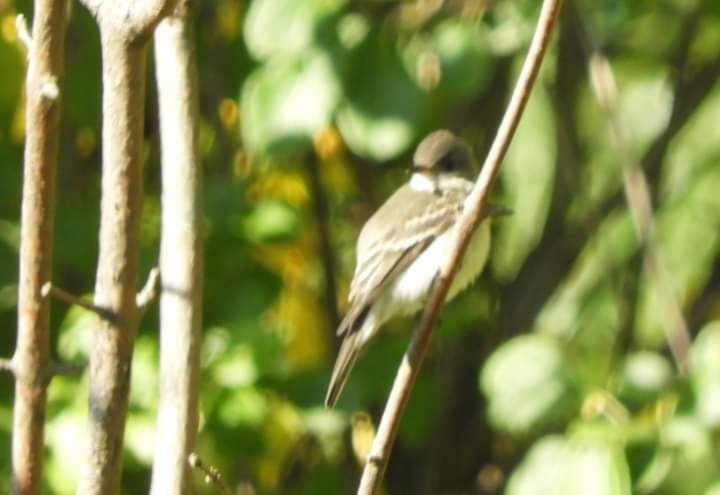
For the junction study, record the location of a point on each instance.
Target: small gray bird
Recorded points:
(401, 246)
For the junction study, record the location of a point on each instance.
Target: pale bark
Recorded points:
(180, 254)
(31, 363)
(124, 29)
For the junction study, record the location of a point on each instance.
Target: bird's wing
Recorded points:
(385, 248)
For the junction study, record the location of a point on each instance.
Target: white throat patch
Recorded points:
(422, 182)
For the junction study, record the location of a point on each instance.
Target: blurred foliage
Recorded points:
(550, 375)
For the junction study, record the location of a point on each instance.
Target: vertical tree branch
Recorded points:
(124, 28)
(117, 272)
(475, 204)
(181, 253)
(31, 361)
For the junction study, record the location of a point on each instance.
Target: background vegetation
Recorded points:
(551, 375)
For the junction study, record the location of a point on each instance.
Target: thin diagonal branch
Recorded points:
(637, 194)
(149, 291)
(48, 289)
(23, 34)
(409, 368)
(67, 369)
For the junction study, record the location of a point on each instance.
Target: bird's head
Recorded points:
(441, 155)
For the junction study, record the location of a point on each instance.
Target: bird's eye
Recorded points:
(449, 163)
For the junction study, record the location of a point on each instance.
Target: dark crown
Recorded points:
(442, 151)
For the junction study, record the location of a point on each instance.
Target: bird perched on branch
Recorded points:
(401, 246)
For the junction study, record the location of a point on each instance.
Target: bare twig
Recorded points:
(7, 366)
(23, 33)
(48, 289)
(32, 353)
(67, 369)
(379, 453)
(181, 252)
(637, 194)
(149, 291)
(212, 474)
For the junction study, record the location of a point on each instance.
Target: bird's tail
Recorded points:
(349, 351)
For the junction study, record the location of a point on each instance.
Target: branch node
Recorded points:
(23, 33)
(49, 88)
(149, 291)
(49, 290)
(212, 475)
(376, 459)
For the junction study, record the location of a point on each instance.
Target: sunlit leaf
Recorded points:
(285, 102)
(694, 456)
(271, 220)
(76, 333)
(705, 373)
(688, 232)
(282, 27)
(454, 58)
(527, 180)
(644, 376)
(569, 466)
(525, 384)
(380, 118)
(67, 452)
(246, 406)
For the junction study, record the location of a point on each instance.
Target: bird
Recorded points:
(401, 246)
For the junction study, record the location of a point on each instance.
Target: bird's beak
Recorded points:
(494, 211)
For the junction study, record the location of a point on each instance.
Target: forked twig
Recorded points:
(410, 365)
(212, 474)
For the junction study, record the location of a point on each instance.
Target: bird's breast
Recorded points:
(412, 286)
(407, 294)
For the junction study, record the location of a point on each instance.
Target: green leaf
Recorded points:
(76, 332)
(381, 116)
(284, 103)
(644, 377)
(11, 60)
(705, 373)
(461, 49)
(525, 384)
(569, 466)
(271, 220)
(245, 406)
(282, 27)
(694, 456)
(527, 178)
